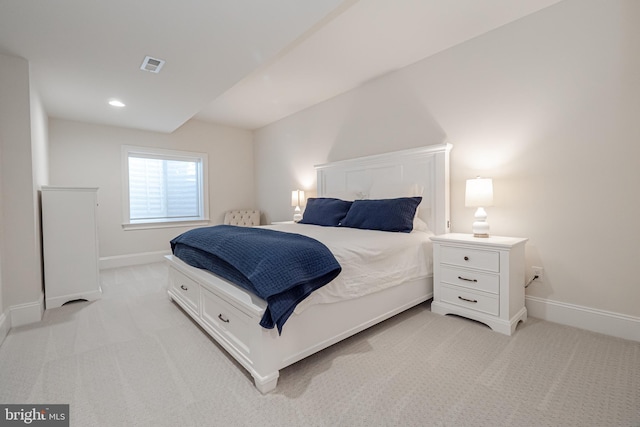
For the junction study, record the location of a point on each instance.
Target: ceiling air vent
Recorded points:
(153, 65)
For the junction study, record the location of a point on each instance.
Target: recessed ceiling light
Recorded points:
(116, 103)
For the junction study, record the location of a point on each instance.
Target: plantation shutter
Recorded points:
(163, 187)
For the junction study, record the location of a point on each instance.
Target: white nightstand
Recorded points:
(480, 278)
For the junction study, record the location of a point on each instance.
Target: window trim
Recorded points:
(161, 153)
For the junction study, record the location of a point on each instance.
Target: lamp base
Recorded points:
(480, 225)
(297, 214)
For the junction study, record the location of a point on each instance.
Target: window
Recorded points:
(163, 187)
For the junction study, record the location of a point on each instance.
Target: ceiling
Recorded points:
(244, 63)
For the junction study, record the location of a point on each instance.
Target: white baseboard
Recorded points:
(5, 325)
(604, 322)
(132, 259)
(25, 314)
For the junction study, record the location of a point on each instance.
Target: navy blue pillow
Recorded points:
(383, 215)
(325, 211)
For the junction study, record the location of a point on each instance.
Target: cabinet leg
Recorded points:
(522, 317)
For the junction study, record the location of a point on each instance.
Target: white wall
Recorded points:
(40, 164)
(4, 319)
(23, 138)
(39, 141)
(83, 154)
(548, 106)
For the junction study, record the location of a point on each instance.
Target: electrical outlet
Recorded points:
(537, 271)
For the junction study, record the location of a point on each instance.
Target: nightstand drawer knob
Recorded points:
(468, 300)
(184, 288)
(468, 280)
(466, 258)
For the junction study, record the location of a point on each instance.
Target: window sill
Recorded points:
(164, 224)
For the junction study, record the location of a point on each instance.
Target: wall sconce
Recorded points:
(297, 200)
(479, 194)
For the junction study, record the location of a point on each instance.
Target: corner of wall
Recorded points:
(5, 325)
(23, 129)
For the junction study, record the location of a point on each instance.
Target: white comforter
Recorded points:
(370, 260)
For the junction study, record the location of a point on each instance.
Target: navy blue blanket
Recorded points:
(281, 268)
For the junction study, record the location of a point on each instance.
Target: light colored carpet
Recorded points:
(133, 358)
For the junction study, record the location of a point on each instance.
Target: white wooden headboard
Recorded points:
(415, 172)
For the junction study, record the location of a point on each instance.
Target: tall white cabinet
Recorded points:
(70, 245)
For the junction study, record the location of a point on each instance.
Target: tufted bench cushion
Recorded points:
(242, 217)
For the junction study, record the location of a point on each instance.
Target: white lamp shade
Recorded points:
(479, 193)
(297, 198)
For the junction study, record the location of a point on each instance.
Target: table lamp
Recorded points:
(297, 200)
(479, 194)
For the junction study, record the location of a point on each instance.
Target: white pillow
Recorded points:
(420, 225)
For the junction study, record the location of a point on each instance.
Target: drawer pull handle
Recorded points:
(466, 258)
(468, 300)
(222, 318)
(184, 288)
(468, 280)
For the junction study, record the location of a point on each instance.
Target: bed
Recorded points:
(231, 315)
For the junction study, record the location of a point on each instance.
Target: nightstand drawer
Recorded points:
(471, 279)
(471, 258)
(474, 300)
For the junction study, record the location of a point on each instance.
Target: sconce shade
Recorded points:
(479, 193)
(297, 198)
